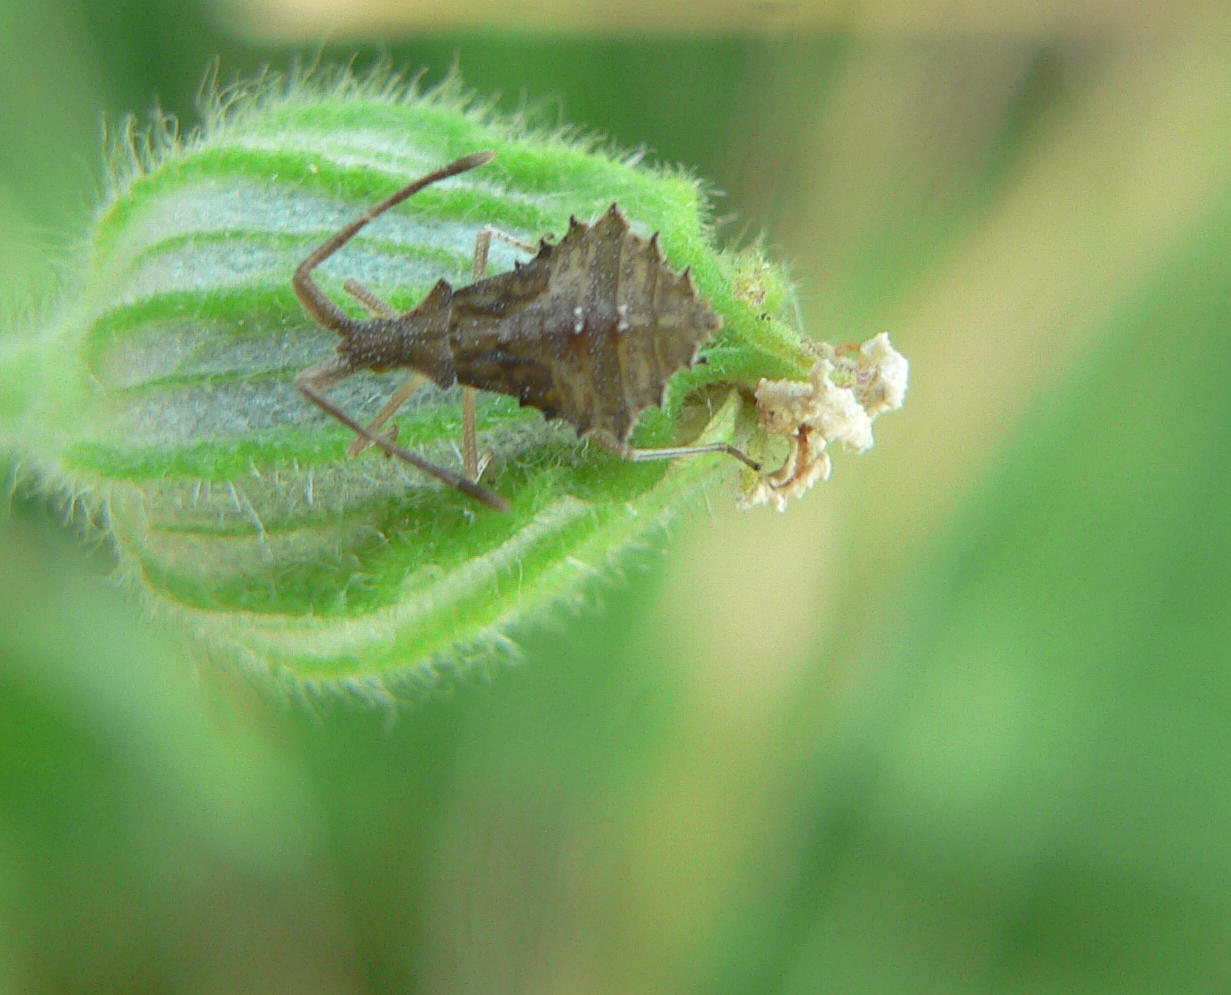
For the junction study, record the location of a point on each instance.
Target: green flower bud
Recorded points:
(162, 397)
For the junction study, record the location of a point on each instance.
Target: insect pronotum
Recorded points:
(589, 330)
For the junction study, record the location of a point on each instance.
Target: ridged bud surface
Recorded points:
(162, 396)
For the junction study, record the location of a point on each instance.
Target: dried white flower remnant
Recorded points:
(845, 391)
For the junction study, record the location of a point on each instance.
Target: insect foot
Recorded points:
(846, 389)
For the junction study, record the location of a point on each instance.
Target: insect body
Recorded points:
(589, 330)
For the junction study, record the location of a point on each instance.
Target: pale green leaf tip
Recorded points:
(161, 397)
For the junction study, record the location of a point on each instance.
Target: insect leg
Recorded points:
(472, 462)
(314, 381)
(672, 452)
(390, 408)
(380, 309)
(470, 436)
(371, 303)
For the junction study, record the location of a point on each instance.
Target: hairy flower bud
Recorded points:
(163, 399)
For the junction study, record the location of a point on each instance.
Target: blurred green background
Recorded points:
(959, 722)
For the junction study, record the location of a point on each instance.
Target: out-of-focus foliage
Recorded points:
(960, 725)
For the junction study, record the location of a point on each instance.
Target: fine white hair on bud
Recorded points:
(846, 389)
(160, 395)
